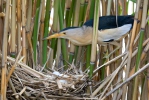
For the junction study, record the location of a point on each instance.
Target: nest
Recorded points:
(29, 84)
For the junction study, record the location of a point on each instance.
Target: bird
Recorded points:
(110, 30)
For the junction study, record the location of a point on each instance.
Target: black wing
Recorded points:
(108, 22)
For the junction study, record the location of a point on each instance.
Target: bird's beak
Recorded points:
(56, 35)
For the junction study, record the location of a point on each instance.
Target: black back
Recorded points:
(108, 22)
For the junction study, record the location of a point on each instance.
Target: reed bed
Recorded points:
(37, 69)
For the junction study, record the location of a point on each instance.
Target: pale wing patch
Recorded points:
(115, 33)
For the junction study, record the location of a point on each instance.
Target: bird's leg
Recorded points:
(117, 47)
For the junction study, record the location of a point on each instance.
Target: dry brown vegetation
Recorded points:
(33, 69)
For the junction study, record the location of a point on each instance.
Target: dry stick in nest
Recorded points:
(13, 67)
(34, 72)
(13, 89)
(27, 68)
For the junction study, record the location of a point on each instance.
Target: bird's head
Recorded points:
(56, 35)
(65, 33)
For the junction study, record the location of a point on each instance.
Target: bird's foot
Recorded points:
(107, 56)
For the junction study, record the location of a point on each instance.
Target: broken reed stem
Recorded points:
(4, 53)
(130, 48)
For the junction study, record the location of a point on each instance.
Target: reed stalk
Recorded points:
(130, 88)
(88, 51)
(94, 38)
(29, 31)
(13, 29)
(63, 41)
(58, 52)
(23, 31)
(82, 10)
(36, 29)
(34, 7)
(46, 30)
(85, 9)
(55, 28)
(74, 23)
(68, 23)
(4, 53)
(41, 31)
(18, 25)
(29, 16)
(1, 30)
(140, 47)
(109, 7)
(63, 6)
(130, 48)
(68, 5)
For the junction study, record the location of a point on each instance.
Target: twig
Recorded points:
(126, 81)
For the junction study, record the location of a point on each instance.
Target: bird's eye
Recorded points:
(64, 33)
